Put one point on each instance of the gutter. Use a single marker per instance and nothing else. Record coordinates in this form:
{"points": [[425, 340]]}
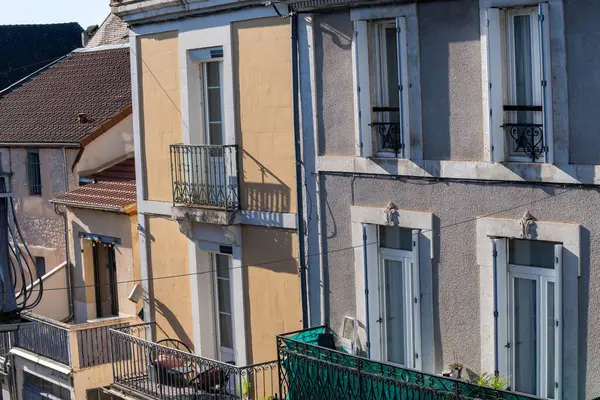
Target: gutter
{"points": [[41, 145], [68, 271], [298, 158]]}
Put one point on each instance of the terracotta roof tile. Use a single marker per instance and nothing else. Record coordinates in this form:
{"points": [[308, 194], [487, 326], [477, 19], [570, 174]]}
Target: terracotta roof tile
{"points": [[112, 195], [46, 108]]}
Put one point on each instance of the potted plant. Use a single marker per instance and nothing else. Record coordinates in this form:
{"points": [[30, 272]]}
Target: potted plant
{"points": [[455, 370], [493, 381]]}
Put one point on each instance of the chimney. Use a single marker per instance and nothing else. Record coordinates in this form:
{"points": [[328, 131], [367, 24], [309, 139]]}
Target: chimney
{"points": [[87, 34]]}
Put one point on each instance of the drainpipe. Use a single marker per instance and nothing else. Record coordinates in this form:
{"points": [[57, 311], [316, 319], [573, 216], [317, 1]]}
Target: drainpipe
{"points": [[68, 271], [495, 278], [366, 279], [298, 158]]}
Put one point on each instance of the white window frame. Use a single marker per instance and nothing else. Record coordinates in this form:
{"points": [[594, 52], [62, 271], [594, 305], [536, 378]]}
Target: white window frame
{"points": [[363, 72], [423, 227], [412, 303], [496, 78], [542, 276], [493, 234], [225, 354]]}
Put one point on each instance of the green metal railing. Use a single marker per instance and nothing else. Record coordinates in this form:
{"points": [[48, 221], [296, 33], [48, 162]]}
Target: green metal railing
{"points": [[309, 371]]}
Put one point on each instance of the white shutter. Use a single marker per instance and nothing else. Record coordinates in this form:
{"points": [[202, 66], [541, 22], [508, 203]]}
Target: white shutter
{"points": [[416, 300], [546, 72], [362, 96], [558, 269], [403, 86], [495, 89], [501, 305]]}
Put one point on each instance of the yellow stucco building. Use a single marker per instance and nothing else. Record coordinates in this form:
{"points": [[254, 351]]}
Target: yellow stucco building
{"points": [[216, 187]]}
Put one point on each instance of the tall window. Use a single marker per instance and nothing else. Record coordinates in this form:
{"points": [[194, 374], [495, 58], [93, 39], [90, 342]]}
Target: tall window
{"points": [[529, 298], [519, 84], [40, 266], [399, 313], [212, 90], [380, 62], [224, 317], [531, 272], [34, 176]]}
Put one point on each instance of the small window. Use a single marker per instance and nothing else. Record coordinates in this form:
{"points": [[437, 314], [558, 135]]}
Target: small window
{"points": [[41, 388], [34, 176], [397, 238], [40, 266], [535, 253]]}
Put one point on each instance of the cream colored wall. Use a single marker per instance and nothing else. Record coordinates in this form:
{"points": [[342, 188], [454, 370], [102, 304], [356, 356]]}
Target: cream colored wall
{"points": [[168, 255], [135, 248], [90, 378], [161, 115], [272, 289], [109, 148], [107, 224], [55, 302], [262, 71]]}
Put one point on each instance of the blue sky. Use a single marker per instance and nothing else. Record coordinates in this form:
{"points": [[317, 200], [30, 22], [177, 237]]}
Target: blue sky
{"points": [[86, 12]]}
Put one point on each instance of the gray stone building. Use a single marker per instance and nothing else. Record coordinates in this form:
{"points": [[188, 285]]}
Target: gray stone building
{"points": [[451, 167]]}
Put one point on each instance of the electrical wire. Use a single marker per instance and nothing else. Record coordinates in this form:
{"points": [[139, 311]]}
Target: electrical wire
{"points": [[136, 281]]}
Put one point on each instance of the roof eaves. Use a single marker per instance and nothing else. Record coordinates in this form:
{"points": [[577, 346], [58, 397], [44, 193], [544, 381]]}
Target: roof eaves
{"points": [[107, 125]]}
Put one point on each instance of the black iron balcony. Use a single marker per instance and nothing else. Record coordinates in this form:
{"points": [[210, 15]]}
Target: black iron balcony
{"points": [[205, 176], [387, 129], [167, 370], [526, 139], [310, 371]]}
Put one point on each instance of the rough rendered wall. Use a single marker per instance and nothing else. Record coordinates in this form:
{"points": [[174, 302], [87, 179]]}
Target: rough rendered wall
{"points": [[168, 256], [451, 80], [583, 61], [456, 277], [262, 73], [42, 228], [161, 110], [272, 288], [334, 86]]}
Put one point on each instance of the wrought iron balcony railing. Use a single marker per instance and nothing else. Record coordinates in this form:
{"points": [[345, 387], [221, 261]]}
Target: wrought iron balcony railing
{"points": [[206, 176], [389, 138], [78, 345], [526, 139], [160, 371], [310, 371]]}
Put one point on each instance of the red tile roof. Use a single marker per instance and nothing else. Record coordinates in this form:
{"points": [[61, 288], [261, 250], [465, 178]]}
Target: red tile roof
{"points": [[113, 190], [69, 100]]}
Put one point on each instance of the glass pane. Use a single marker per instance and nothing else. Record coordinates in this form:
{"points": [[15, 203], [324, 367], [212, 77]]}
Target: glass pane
{"points": [[214, 104], [391, 53], [224, 293], [395, 331], [226, 333], [533, 253], [212, 74], [525, 340], [551, 340], [222, 266], [523, 66], [216, 136], [393, 237]]}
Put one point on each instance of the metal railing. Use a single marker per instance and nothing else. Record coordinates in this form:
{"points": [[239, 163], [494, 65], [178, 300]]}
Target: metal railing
{"points": [[205, 175], [78, 345], [4, 344], [162, 372], [48, 338], [309, 371], [387, 129], [525, 138]]}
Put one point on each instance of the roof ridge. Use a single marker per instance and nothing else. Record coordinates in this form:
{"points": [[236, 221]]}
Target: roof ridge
{"points": [[50, 24]]}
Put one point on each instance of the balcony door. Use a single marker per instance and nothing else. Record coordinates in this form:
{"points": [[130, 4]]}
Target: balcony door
{"points": [[223, 307], [214, 157], [105, 280]]}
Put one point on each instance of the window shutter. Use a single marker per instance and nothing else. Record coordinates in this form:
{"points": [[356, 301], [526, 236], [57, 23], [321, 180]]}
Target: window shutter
{"points": [[495, 88], [546, 70], [416, 299], [362, 97], [403, 86], [558, 271], [502, 346]]}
